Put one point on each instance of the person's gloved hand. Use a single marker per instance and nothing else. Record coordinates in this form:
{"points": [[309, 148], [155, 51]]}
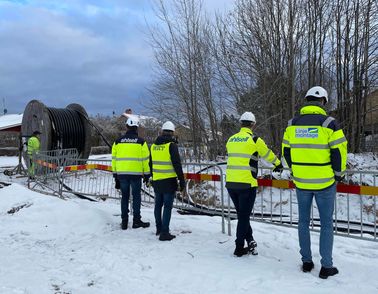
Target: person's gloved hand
{"points": [[278, 168], [146, 179], [339, 178], [117, 184], [182, 185], [148, 182]]}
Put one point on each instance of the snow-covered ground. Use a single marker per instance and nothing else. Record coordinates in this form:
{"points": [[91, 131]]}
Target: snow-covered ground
{"points": [[8, 161], [76, 246]]}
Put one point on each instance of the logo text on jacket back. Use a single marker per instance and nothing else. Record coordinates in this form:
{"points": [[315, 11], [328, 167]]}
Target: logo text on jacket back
{"points": [[306, 133], [238, 139], [129, 140], [158, 147]]}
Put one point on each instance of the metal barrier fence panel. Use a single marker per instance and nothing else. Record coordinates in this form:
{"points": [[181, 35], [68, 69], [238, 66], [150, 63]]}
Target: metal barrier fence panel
{"points": [[204, 193], [91, 177], [47, 169], [355, 205], [355, 212]]}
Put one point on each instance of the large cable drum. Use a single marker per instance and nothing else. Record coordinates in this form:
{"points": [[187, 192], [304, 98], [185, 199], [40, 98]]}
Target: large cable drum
{"points": [[61, 128]]}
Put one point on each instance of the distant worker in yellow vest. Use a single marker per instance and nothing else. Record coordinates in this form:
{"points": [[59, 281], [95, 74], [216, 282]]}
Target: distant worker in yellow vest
{"points": [[315, 149], [34, 145], [244, 150], [130, 157], [166, 171]]}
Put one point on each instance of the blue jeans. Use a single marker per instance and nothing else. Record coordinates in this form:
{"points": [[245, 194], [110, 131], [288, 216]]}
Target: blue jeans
{"points": [[325, 200], [166, 200], [136, 186], [243, 200]]}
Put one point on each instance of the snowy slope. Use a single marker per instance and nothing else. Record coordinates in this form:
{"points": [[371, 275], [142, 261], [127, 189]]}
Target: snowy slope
{"points": [[76, 246]]}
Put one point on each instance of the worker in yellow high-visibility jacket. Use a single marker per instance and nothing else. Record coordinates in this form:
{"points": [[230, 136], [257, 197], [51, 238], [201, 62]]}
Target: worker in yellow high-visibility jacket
{"points": [[315, 149], [244, 150], [167, 178], [34, 145], [130, 164]]}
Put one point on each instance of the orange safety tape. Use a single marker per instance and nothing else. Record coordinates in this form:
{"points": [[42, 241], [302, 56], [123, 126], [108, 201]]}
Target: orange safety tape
{"points": [[344, 188], [369, 190], [202, 177], [282, 184], [83, 167], [46, 164], [88, 167], [104, 167], [92, 166], [341, 188]]}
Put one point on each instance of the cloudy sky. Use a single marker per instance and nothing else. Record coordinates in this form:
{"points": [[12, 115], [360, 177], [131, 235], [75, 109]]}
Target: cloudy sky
{"points": [[94, 53]]}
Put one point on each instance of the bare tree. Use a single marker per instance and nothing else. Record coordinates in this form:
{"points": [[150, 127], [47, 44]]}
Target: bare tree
{"points": [[258, 56], [356, 48], [262, 57], [183, 90]]}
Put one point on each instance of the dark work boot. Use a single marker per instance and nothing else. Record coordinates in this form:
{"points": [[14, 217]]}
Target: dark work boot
{"points": [[158, 231], [240, 250], [326, 272], [166, 236], [138, 223], [307, 266], [125, 223]]}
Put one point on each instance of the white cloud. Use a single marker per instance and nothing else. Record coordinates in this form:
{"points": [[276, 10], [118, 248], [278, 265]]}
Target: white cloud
{"points": [[90, 52], [49, 55]]}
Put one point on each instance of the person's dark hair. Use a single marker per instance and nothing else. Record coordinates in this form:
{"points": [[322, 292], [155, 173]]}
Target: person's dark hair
{"points": [[246, 124], [315, 99], [167, 133], [132, 128]]}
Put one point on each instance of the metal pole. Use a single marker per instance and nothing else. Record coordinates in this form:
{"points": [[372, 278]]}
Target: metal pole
{"points": [[222, 200], [375, 213], [361, 204]]}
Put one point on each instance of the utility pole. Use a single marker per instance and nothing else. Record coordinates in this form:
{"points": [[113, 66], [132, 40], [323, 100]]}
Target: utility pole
{"points": [[4, 109]]}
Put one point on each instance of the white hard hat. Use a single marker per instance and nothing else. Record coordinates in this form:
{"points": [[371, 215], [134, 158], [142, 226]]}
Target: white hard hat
{"points": [[168, 126], [132, 122], [317, 92], [248, 116]]}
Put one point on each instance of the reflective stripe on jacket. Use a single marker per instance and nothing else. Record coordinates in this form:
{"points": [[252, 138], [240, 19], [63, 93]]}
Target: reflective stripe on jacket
{"points": [[243, 151], [33, 145], [162, 167], [130, 156], [315, 148]]}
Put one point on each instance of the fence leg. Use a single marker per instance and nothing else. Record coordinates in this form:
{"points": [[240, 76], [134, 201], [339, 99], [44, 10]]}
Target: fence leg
{"points": [[229, 217], [60, 185]]}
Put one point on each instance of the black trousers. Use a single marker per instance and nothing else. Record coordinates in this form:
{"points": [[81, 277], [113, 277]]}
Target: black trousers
{"points": [[243, 200]]}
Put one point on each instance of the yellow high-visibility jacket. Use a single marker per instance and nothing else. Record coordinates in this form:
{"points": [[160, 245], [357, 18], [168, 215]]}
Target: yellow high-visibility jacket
{"points": [[315, 149], [33, 145], [244, 150], [161, 162], [130, 156]]}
